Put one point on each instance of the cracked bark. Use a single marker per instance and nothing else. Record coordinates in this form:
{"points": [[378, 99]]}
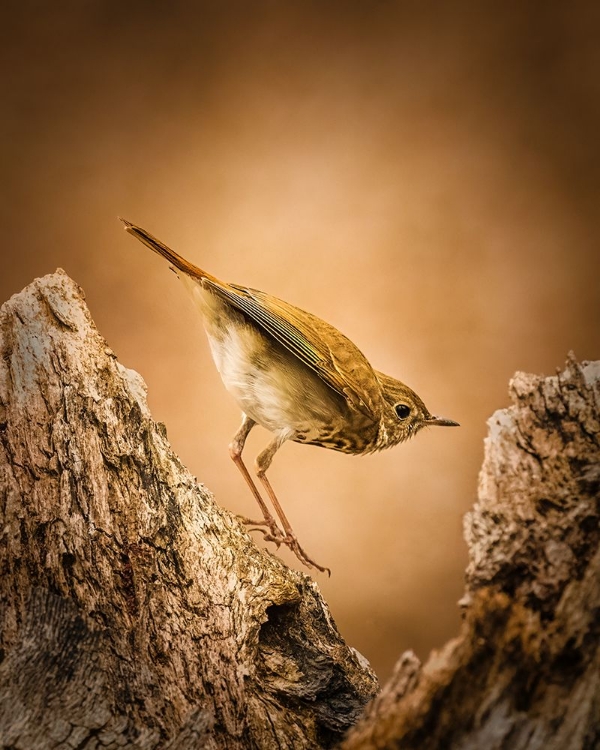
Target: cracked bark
{"points": [[133, 610], [524, 673]]}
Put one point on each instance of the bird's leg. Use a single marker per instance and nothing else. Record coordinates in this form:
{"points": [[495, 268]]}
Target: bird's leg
{"points": [[235, 451], [290, 539]]}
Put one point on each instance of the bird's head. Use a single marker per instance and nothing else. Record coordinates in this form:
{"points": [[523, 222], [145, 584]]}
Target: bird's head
{"points": [[404, 413]]}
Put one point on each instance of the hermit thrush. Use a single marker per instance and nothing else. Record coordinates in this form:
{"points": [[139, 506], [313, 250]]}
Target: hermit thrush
{"points": [[298, 377]]}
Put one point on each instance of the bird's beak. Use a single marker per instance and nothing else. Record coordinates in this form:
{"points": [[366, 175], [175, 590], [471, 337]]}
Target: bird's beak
{"points": [[441, 422]]}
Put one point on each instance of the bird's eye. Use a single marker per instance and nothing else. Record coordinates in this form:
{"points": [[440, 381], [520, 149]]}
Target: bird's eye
{"points": [[402, 411]]}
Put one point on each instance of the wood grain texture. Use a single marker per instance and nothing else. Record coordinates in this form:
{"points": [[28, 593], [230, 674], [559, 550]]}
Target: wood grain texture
{"points": [[134, 611], [524, 673]]}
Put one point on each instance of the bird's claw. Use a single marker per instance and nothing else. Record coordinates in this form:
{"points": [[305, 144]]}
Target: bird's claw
{"points": [[292, 544], [266, 527], [272, 533]]}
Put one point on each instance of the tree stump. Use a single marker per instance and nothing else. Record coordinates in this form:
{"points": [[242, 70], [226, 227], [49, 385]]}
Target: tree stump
{"points": [[134, 612], [524, 674]]}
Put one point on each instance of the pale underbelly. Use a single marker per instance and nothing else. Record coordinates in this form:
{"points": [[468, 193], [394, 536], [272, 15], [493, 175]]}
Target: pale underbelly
{"points": [[271, 386]]}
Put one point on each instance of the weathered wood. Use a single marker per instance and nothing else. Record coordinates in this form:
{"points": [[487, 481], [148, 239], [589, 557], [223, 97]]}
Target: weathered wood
{"points": [[524, 673], [133, 610]]}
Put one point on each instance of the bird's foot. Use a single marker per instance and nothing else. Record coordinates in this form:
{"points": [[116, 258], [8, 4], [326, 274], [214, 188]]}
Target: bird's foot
{"points": [[293, 544], [267, 527], [272, 533]]}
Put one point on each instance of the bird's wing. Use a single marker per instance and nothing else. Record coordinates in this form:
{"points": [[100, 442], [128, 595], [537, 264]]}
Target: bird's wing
{"points": [[318, 345]]}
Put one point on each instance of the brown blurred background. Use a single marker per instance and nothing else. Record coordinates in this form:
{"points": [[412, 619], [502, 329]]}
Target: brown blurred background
{"points": [[424, 176]]}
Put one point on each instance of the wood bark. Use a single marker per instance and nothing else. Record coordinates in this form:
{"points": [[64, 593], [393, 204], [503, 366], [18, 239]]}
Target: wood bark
{"points": [[524, 673], [134, 611]]}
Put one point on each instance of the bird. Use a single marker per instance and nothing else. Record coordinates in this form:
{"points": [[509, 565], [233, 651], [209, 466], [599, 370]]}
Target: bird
{"points": [[297, 376]]}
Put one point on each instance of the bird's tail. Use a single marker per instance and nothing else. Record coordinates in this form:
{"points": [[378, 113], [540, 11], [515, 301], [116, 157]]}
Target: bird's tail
{"points": [[180, 263]]}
